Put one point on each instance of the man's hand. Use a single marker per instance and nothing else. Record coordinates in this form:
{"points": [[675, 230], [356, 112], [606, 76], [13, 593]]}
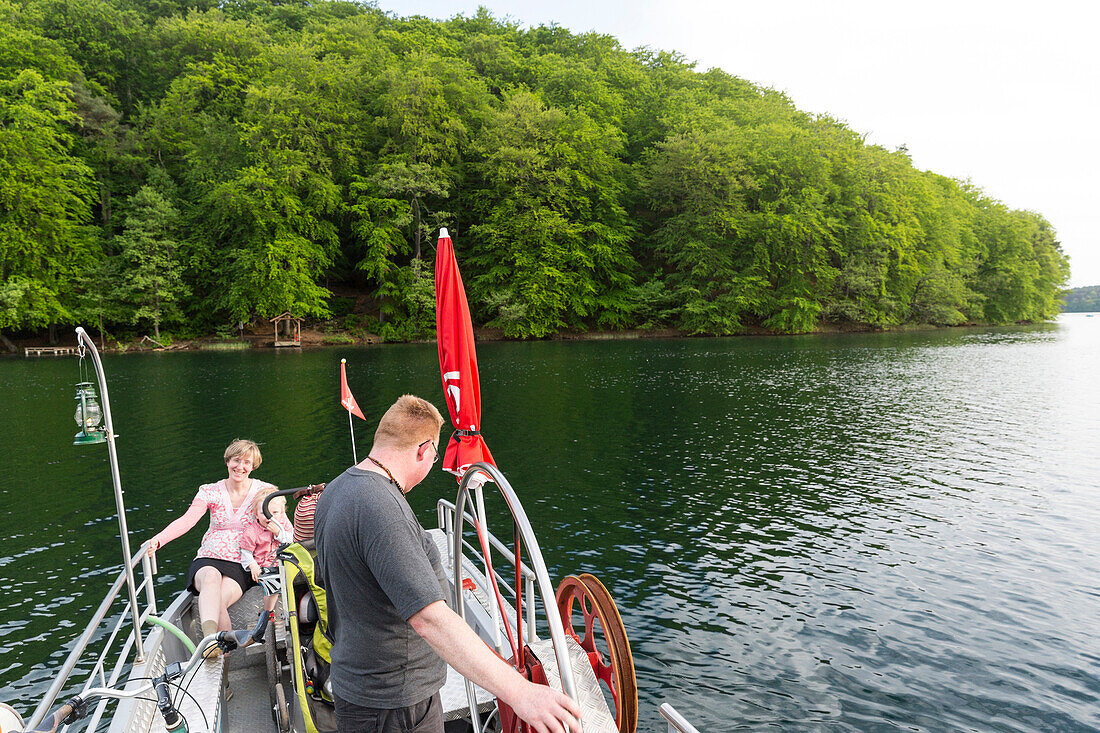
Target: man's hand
{"points": [[548, 711], [254, 568], [545, 709]]}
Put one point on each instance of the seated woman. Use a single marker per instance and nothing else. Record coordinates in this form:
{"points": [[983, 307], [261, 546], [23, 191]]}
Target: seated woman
{"points": [[216, 574]]}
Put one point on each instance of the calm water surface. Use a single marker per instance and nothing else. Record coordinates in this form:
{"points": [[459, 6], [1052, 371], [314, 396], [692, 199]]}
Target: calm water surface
{"points": [[866, 532]]}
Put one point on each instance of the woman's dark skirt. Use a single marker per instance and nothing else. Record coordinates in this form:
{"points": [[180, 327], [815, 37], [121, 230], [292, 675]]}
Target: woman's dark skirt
{"points": [[227, 568]]}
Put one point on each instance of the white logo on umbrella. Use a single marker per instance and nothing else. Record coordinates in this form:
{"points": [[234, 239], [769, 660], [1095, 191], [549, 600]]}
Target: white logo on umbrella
{"points": [[453, 389]]}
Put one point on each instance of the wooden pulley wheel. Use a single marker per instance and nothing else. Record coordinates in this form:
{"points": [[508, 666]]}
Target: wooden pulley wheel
{"points": [[603, 636]]}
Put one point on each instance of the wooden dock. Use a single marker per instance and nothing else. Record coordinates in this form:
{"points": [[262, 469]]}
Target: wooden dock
{"points": [[49, 350]]}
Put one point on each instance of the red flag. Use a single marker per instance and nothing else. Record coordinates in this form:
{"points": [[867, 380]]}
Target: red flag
{"points": [[346, 397]]}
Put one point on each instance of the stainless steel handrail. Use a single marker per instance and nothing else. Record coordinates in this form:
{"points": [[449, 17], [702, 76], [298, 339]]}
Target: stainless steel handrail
{"points": [[85, 343], [546, 590], [84, 641], [445, 511], [676, 723], [444, 504]]}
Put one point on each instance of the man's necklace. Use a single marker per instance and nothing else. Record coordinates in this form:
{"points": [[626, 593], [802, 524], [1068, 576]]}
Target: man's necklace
{"points": [[379, 464]]}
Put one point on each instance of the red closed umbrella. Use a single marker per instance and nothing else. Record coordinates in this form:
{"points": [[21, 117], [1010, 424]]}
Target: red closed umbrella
{"points": [[457, 363]]}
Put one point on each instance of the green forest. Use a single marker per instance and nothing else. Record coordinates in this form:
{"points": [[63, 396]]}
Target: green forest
{"points": [[183, 166], [1083, 300]]}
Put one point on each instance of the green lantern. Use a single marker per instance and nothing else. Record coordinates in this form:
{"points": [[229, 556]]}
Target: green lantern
{"points": [[88, 416]]}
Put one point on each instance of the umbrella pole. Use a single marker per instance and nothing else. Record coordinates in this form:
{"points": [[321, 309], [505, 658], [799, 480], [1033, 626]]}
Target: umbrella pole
{"points": [[351, 427]]}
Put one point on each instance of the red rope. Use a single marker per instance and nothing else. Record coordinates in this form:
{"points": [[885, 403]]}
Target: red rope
{"points": [[496, 592]]}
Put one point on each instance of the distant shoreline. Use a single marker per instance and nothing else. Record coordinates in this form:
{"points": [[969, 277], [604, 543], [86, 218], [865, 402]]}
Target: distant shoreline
{"points": [[314, 339]]}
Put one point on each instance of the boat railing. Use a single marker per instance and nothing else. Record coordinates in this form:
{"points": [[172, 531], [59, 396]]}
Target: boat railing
{"points": [[676, 723], [105, 672], [475, 560]]}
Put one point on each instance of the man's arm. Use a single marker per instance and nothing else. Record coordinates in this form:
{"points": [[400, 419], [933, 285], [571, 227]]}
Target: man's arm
{"points": [[546, 709]]}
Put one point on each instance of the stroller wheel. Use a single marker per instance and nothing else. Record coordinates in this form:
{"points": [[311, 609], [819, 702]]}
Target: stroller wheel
{"points": [[274, 669], [282, 710]]}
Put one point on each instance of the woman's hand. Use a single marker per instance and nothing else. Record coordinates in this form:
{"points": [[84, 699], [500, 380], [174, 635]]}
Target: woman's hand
{"points": [[254, 568], [151, 547]]}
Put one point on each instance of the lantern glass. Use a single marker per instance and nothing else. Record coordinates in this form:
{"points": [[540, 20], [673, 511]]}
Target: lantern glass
{"points": [[88, 415]]}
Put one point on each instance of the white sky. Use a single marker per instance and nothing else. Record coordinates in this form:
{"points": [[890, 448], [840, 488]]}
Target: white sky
{"points": [[1005, 93]]}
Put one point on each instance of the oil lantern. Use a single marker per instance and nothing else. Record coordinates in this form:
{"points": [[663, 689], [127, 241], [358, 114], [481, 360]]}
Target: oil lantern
{"points": [[88, 416]]}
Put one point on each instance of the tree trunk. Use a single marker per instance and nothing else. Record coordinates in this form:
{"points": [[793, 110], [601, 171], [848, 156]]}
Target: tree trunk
{"points": [[105, 201], [53, 334], [7, 343], [416, 206]]}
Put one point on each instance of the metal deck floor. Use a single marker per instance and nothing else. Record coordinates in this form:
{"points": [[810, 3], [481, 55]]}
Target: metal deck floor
{"points": [[248, 711]]}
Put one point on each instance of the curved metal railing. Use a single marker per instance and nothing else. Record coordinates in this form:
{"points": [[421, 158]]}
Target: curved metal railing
{"points": [[523, 533]]}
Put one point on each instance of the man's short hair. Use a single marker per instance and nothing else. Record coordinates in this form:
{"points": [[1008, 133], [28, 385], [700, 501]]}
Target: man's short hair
{"points": [[408, 423]]}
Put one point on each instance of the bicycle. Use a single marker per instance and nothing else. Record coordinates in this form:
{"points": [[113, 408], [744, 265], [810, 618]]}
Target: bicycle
{"points": [[76, 708]]}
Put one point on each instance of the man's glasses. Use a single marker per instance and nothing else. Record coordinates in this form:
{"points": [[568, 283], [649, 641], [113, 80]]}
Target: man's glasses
{"points": [[435, 449]]}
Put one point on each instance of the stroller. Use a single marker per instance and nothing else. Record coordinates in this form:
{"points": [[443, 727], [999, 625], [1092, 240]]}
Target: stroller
{"points": [[308, 642], [301, 701]]}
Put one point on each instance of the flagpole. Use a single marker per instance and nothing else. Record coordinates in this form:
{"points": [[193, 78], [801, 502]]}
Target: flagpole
{"points": [[351, 425]]}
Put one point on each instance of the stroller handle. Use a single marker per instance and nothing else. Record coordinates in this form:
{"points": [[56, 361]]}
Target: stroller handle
{"points": [[296, 493]]}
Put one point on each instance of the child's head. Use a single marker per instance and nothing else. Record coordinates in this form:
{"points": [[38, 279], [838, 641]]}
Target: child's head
{"points": [[276, 506]]}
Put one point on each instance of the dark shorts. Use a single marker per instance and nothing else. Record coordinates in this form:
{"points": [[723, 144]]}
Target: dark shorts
{"points": [[423, 717], [227, 568]]}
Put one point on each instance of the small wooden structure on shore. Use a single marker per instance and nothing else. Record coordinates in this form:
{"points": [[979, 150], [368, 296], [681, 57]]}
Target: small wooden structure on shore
{"points": [[291, 329], [49, 350]]}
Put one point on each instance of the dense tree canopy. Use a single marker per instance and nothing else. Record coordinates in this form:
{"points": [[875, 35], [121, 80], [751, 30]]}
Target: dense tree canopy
{"points": [[189, 164]]}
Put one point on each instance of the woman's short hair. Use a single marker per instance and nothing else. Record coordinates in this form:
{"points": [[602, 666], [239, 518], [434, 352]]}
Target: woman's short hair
{"points": [[409, 421], [240, 447]]}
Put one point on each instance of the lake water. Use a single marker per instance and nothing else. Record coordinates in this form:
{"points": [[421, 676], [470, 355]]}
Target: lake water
{"points": [[860, 532]]}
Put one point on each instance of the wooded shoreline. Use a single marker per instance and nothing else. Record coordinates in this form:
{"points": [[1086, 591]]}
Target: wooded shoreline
{"points": [[313, 339], [177, 167]]}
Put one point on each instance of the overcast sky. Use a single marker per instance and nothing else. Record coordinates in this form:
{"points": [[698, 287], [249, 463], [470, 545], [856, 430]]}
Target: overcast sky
{"points": [[1006, 94]]}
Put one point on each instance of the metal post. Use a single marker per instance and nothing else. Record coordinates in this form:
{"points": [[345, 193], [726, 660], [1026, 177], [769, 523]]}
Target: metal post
{"points": [[127, 562], [676, 723], [148, 569]]}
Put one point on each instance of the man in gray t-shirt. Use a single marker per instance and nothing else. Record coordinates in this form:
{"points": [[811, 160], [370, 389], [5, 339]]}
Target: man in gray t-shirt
{"points": [[371, 547], [387, 596]]}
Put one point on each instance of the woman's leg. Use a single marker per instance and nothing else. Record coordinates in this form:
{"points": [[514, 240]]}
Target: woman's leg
{"points": [[208, 581], [230, 594]]}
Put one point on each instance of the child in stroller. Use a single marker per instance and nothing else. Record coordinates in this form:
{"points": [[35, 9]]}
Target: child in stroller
{"points": [[260, 542]]}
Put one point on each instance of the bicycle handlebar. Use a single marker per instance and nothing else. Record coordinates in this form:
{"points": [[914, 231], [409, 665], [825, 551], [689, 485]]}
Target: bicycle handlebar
{"points": [[77, 707], [64, 715]]}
